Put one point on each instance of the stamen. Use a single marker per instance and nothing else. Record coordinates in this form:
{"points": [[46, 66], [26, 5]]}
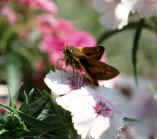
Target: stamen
{"points": [[77, 81], [103, 109]]}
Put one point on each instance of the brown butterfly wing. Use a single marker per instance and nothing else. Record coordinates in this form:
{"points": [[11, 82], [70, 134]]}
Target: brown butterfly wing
{"points": [[92, 52], [97, 70]]}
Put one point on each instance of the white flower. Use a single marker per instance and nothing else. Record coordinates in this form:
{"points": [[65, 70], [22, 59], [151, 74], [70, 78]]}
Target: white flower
{"points": [[96, 112], [141, 105], [62, 83], [108, 83], [146, 8], [3, 90], [115, 12]]}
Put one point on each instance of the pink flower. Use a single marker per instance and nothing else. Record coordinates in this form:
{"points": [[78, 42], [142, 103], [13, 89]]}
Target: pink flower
{"points": [[54, 47], [45, 24], [46, 5], [9, 14], [49, 25], [80, 38], [5, 102], [39, 65], [56, 35]]}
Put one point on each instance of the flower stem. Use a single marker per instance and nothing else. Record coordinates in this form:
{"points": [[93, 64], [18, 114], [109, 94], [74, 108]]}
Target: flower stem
{"points": [[137, 37], [132, 25]]}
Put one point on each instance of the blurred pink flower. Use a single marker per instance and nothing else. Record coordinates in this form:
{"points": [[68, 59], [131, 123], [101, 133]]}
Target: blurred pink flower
{"points": [[45, 24], [56, 34], [39, 66], [46, 5], [9, 14], [54, 45], [50, 25], [80, 38], [5, 102]]}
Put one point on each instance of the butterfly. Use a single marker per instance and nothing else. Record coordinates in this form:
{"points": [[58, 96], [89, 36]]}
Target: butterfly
{"points": [[87, 59]]}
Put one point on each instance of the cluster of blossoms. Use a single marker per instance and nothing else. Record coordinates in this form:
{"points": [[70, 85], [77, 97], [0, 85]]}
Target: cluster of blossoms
{"points": [[8, 9], [116, 12], [54, 32], [99, 112], [45, 5], [57, 33], [96, 112]]}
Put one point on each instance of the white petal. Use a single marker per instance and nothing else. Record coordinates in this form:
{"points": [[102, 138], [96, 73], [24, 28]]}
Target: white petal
{"points": [[116, 16], [100, 126], [86, 121], [76, 100], [58, 82], [146, 8], [79, 103], [116, 124], [114, 12], [109, 94]]}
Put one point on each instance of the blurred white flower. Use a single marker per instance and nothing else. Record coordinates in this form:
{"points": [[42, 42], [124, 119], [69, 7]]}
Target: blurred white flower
{"points": [[146, 8], [3, 90], [108, 83], [61, 82], [115, 12], [141, 105], [96, 112]]}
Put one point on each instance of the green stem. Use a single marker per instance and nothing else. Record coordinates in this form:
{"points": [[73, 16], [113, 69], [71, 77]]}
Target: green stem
{"points": [[132, 25], [136, 46]]}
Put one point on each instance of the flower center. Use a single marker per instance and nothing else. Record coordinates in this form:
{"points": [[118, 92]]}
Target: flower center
{"points": [[77, 81], [101, 108]]}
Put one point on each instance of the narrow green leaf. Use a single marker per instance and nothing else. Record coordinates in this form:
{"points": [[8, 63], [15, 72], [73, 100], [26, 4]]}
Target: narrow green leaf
{"points": [[26, 98], [30, 94], [7, 107], [13, 76], [129, 119], [107, 34]]}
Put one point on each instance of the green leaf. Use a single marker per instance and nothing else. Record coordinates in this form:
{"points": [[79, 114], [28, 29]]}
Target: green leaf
{"points": [[13, 76], [129, 119], [7, 107], [154, 92]]}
